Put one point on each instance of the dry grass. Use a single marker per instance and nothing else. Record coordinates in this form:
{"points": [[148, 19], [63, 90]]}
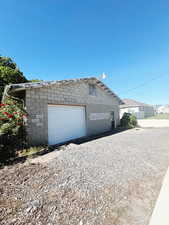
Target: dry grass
{"points": [[164, 116], [31, 151]]}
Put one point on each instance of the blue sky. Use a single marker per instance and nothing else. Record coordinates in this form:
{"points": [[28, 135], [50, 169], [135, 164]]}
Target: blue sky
{"points": [[63, 39]]}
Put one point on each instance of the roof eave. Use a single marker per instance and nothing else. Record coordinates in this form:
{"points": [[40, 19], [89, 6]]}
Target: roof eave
{"points": [[20, 87]]}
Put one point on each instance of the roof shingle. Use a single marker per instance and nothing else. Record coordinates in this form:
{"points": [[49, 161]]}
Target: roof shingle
{"points": [[132, 103], [23, 86]]}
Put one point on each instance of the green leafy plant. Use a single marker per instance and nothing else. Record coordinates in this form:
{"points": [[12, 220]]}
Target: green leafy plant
{"points": [[12, 129], [128, 120], [12, 116], [9, 74]]}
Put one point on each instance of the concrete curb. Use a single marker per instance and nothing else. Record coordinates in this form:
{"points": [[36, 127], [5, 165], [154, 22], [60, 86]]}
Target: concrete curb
{"points": [[160, 214]]}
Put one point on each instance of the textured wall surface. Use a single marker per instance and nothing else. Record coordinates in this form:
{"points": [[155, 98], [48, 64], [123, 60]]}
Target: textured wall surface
{"points": [[148, 111], [140, 112], [37, 100]]}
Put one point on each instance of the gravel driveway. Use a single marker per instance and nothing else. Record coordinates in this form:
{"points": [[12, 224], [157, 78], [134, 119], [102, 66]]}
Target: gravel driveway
{"points": [[113, 180]]}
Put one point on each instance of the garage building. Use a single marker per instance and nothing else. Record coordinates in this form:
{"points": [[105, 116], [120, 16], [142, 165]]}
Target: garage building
{"points": [[59, 111]]}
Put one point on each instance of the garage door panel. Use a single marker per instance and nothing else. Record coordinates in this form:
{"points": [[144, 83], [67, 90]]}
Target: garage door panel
{"points": [[65, 123]]}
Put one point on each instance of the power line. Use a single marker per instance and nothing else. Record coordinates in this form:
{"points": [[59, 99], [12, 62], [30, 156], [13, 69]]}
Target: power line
{"points": [[147, 82]]}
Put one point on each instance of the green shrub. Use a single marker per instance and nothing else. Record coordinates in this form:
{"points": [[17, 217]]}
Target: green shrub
{"points": [[12, 129], [12, 116], [11, 144], [128, 120]]}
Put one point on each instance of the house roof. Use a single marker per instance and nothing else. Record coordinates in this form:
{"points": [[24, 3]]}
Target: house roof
{"points": [[12, 88], [132, 103]]}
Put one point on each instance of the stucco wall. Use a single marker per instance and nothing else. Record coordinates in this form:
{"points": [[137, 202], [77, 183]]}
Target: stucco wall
{"points": [[148, 111], [37, 101], [163, 109], [140, 112], [133, 110]]}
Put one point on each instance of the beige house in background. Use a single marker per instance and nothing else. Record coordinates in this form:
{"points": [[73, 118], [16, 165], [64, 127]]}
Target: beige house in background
{"points": [[139, 109], [163, 109], [60, 111]]}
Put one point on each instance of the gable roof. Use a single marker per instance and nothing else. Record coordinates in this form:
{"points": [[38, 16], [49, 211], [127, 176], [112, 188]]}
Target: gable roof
{"points": [[12, 88], [132, 103]]}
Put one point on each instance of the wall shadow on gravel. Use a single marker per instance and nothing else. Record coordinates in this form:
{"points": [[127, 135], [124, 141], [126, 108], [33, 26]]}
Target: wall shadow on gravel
{"points": [[58, 147], [95, 137]]}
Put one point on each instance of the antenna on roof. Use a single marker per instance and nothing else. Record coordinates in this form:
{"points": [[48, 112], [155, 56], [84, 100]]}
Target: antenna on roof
{"points": [[103, 76]]}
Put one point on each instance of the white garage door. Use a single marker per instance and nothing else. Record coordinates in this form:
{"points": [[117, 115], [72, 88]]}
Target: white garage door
{"points": [[65, 123]]}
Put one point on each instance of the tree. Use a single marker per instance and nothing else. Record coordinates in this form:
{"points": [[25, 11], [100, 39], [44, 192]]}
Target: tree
{"points": [[9, 74], [12, 128], [6, 61], [12, 113]]}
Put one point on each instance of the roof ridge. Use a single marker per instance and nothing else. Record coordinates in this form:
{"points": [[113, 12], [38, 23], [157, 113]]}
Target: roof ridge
{"points": [[54, 81], [132, 102], [23, 86]]}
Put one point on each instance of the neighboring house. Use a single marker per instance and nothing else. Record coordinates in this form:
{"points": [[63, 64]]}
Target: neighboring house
{"points": [[163, 109], [60, 111], [139, 109]]}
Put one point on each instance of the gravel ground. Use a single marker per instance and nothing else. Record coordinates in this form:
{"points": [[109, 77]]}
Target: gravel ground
{"points": [[113, 180]]}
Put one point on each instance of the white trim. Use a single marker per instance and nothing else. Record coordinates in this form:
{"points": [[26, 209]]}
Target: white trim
{"points": [[160, 214]]}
